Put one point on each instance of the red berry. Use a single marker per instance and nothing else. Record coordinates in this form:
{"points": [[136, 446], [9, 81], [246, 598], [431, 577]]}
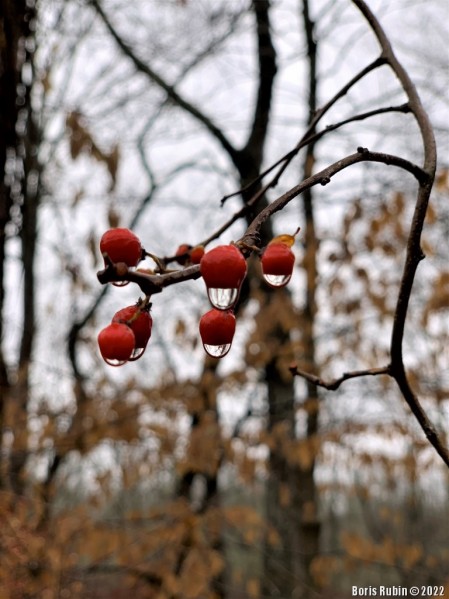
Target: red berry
{"points": [[223, 267], [182, 254], [140, 322], [223, 270], [121, 245], [277, 264], [196, 254], [217, 329], [116, 343]]}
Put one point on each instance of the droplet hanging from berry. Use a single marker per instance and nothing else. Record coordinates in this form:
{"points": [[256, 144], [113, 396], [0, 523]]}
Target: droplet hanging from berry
{"points": [[277, 264], [116, 343], [138, 318], [223, 269], [217, 329], [223, 299]]}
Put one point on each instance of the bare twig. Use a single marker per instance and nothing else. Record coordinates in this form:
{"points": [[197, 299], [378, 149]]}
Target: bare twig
{"points": [[309, 135], [152, 284], [170, 90], [323, 177], [414, 253], [307, 138], [334, 384]]}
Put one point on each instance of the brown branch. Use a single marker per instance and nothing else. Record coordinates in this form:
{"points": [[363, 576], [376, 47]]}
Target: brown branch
{"points": [[323, 177], [324, 109], [152, 284], [105, 568], [149, 284], [170, 90], [308, 136], [334, 384], [404, 108], [306, 140], [414, 253]]}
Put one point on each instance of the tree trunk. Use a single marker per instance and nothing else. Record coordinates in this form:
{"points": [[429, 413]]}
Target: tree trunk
{"points": [[11, 18], [18, 158], [309, 525], [280, 555], [210, 496]]}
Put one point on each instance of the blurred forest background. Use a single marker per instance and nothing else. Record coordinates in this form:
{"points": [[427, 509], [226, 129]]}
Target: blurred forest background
{"points": [[178, 476]]}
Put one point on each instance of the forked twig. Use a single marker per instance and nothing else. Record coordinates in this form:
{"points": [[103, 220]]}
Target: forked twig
{"points": [[333, 384]]}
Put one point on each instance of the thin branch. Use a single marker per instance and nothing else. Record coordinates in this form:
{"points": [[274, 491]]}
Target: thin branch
{"points": [[309, 136], [170, 90], [153, 284], [334, 384], [323, 177], [324, 109], [414, 253], [149, 284], [305, 140], [404, 108]]}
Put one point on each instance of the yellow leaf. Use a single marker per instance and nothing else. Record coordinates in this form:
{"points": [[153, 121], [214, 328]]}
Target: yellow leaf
{"points": [[322, 568], [216, 563], [285, 238]]}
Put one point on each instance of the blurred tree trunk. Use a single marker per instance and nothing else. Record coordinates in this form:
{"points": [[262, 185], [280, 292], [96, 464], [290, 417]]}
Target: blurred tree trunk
{"points": [[11, 14], [19, 187], [292, 494], [308, 494]]}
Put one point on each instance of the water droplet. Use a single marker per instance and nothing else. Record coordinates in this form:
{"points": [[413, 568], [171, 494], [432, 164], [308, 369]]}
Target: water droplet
{"points": [[137, 353], [223, 299], [115, 362], [277, 280], [120, 283], [217, 351]]}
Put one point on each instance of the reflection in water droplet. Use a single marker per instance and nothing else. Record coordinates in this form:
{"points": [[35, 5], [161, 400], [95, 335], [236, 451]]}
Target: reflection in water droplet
{"points": [[120, 283], [137, 353], [115, 362], [217, 351], [223, 299], [277, 280]]}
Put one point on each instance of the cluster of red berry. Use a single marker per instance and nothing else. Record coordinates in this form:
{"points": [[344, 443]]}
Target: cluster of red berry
{"points": [[223, 269], [126, 338]]}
